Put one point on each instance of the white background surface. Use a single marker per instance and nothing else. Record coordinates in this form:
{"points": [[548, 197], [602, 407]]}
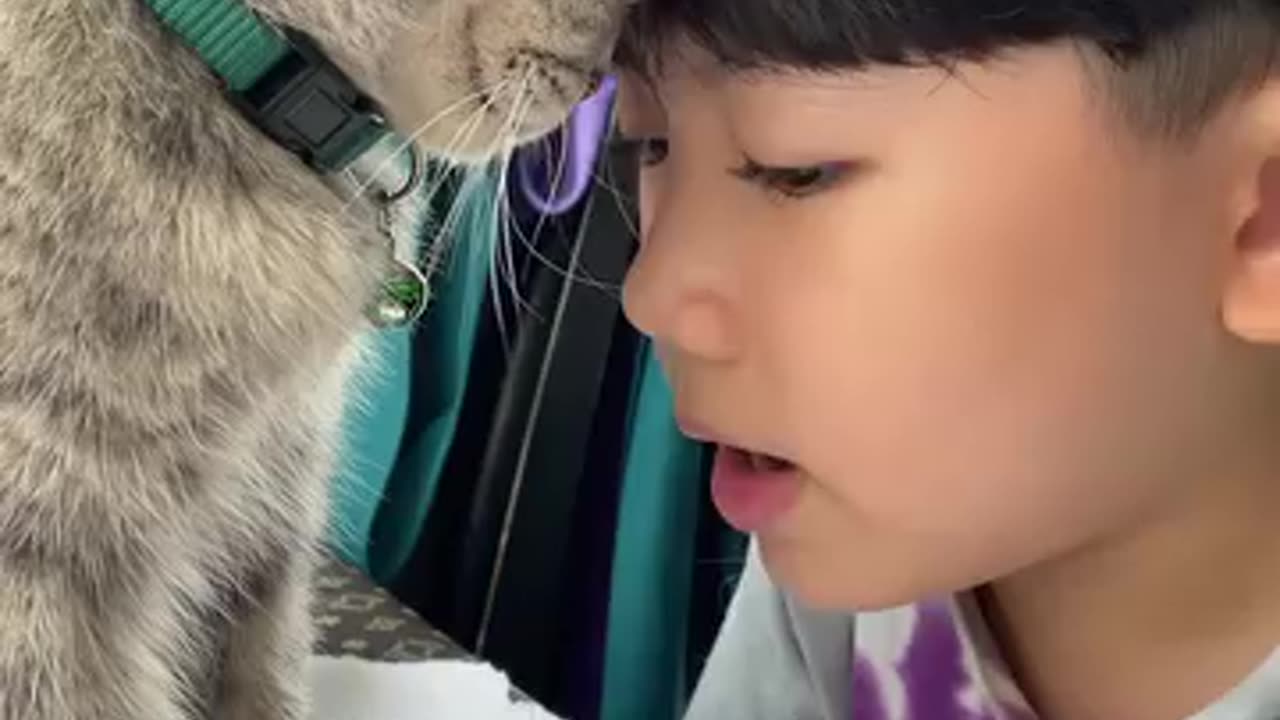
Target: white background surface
{"points": [[352, 689]]}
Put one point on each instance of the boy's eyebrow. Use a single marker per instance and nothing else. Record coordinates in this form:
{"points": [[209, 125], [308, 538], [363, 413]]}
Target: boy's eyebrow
{"points": [[833, 79], [827, 93], [839, 88]]}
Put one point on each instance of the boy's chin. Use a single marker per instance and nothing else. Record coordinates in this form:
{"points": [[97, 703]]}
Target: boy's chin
{"points": [[826, 583]]}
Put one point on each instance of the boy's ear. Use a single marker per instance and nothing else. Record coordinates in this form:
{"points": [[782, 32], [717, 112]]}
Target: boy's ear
{"points": [[1251, 304]]}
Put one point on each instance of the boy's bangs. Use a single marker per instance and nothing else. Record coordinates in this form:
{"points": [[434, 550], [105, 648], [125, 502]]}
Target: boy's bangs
{"points": [[841, 34]]}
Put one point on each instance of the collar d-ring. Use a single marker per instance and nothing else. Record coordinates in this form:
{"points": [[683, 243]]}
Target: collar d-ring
{"points": [[411, 183]]}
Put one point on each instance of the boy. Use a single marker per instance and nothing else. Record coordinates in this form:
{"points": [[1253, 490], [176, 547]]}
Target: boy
{"points": [[980, 301]]}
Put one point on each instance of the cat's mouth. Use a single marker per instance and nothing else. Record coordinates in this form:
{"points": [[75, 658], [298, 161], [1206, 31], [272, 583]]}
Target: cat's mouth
{"points": [[499, 121], [541, 101], [502, 73]]}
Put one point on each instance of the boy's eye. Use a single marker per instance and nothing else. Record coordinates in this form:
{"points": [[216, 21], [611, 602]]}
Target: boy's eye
{"points": [[792, 182], [800, 181], [652, 151], [646, 151]]}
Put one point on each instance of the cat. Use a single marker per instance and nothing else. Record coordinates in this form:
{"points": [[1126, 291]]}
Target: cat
{"points": [[181, 317]]}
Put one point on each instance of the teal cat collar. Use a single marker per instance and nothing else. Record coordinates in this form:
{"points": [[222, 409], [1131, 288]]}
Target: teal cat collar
{"points": [[280, 80]]}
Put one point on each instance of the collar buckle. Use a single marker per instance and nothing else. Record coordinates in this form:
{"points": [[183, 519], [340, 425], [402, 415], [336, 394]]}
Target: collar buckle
{"points": [[309, 106]]}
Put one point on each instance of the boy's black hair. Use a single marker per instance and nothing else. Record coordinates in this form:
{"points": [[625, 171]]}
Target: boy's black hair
{"points": [[1169, 63]]}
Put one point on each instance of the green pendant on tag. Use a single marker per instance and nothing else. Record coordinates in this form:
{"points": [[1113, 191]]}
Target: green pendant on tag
{"points": [[402, 298]]}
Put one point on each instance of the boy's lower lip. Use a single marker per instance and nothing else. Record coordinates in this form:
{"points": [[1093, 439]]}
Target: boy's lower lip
{"points": [[748, 498]]}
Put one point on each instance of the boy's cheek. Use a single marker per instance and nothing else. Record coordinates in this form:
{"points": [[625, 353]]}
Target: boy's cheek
{"points": [[934, 468], [843, 549]]}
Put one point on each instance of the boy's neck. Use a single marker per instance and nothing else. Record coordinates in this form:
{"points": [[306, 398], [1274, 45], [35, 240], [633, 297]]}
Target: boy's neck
{"points": [[1155, 625]]}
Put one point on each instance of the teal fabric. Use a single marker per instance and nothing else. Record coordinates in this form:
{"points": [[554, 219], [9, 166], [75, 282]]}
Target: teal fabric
{"points": [[388, 477], [645, 648], [373, 429], [438, 377]]}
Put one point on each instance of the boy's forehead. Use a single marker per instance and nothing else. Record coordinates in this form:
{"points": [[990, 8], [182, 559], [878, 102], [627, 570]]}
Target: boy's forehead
{"points": [[686, 71], [882, 112], [684, 67]]}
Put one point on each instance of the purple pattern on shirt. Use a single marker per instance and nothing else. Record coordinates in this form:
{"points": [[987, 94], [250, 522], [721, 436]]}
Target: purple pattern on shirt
{"points": [[933, 674], [867, 702]]}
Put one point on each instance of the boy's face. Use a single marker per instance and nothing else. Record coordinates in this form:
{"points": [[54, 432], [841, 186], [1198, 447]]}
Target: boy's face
{"points": [[996, 341]]}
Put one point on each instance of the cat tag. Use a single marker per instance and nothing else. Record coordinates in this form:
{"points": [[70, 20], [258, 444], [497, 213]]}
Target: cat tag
{"points": [[402, 298]]}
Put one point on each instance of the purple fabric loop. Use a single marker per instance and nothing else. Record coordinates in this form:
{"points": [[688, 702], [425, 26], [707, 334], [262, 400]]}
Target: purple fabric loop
{"points": [[579, 145]]}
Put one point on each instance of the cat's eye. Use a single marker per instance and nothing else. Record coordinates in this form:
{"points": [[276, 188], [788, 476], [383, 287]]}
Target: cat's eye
{"points": [[793, 182]]}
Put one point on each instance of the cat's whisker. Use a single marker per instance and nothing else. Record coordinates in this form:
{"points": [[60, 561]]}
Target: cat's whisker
{"points": [[466, 133], [467, 127], [579, 275], [445, 232], [497, 220], [622, 201], [546, 147], [519, 112], [407, 141], [502, 270], [470, 176], [486, 94], [504, 251], [499, 217], [462, 136]]}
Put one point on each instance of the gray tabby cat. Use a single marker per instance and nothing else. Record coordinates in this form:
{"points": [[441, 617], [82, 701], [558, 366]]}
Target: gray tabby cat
{"points": [[180, 312]]}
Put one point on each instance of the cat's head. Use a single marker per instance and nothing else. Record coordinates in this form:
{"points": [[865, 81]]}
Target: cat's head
{"points": [[467, 78]]}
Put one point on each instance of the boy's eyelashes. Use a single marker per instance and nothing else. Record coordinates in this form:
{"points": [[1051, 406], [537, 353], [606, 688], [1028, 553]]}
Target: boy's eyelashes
{"points": [[792, 182]]}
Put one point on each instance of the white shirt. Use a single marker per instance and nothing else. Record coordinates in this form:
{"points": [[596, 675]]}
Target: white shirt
{"points": [[775, 660]]}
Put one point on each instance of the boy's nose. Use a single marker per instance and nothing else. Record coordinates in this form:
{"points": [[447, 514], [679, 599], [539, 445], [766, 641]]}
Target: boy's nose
{"points": [[668, 297]]}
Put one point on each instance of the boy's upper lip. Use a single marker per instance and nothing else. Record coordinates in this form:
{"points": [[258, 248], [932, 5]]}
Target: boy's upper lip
{"points": [[695, 429]]}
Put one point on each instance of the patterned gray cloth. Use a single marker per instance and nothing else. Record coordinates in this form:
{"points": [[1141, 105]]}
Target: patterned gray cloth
{"points": [[357, 618]]}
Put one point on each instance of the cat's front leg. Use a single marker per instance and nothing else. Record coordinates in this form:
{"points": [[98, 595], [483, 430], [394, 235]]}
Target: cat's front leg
{"points": [[264, 671], [70, 651]]}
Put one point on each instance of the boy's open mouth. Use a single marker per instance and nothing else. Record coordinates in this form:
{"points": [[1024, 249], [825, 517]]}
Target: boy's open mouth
{"points": [[763, 463], [753, 489]]}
